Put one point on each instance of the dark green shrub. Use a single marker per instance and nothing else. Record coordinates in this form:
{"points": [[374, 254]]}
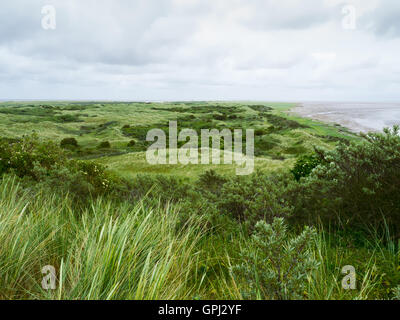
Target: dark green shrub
{"points": [[44, 164], [131, 143], [280, 123], [82, 180], [106, 125], [304, 165], [67, 118], [259, 196], [260, 108], [220, 117], [211, 181], [104, 145], [356, 184], [95, 174], [266, 143], [21, 156], [276, 265], [68, 142], [260, 132], [165, 188]]}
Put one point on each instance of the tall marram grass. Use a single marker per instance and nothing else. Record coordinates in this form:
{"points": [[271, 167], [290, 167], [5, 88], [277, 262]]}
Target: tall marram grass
{"points": [[108, 251], [112, 250]]}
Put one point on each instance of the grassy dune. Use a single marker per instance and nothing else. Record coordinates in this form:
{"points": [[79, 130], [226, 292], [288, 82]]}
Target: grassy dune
{"points": [[92, 123]]}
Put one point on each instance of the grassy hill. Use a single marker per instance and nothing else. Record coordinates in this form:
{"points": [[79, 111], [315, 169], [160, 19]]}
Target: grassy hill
{"points": [[280, 138]]}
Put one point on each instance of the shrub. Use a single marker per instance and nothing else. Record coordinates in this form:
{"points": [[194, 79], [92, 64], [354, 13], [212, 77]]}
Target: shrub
{"points": [[82, 180], [104, 145], [67, 118], [44, 164], [304, 165], [68, 142], [95, 174], [21, 156], [280, 123], [164, 188], [276, 265], [355, 184], [260, 132], [220, 117], [211, 181], [131, 143], [257, 197], [260, 108]]}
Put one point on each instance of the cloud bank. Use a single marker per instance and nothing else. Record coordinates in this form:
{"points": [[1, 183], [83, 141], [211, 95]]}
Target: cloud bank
{"points": [[288, 50]]}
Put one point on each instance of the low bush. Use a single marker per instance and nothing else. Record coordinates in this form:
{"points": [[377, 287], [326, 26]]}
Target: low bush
{"points": [[67, 118], [163, 188], [211, 181], [355, 184], [276, 265], [280, 123], [21, 156], [43, 164], [68, 142], [304, 165], [259, 196], [104, 145]]}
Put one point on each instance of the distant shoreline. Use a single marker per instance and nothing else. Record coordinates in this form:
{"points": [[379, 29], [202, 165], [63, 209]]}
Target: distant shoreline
{"points": [[357, 117]]}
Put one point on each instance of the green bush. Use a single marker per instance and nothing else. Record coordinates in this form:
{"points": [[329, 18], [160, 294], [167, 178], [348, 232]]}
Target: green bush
{"points": [[67, 118], [276, 265], [68, 142], [104, 145], [21, 156], [83, 180], [304, 165], [280, 123], [260, 132], [44, 164], [259, 196], [131, 143], [355, 184], [211, 181], [162, 188]]}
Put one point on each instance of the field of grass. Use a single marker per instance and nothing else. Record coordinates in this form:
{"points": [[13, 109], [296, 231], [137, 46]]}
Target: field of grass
{"points": [[278, 142]]}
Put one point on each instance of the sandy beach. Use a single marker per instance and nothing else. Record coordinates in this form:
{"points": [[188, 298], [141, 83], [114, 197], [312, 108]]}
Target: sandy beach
{"points": [[358, 117]]}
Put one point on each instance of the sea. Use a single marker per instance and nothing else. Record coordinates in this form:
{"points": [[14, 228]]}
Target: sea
{"points": [[358, 117]]}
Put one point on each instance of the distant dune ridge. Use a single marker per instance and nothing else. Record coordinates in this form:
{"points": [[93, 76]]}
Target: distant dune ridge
{"points": [[358, 117]]}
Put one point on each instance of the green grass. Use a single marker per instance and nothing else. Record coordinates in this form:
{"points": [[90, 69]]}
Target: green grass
{"points": [[105, 121], [94, 122], [123, 251], [128, 165], [107, 251]]}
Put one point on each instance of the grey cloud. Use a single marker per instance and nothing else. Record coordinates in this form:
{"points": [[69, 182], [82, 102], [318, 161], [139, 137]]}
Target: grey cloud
{"points": [[289, 14], [196, 49], [384, 20]]}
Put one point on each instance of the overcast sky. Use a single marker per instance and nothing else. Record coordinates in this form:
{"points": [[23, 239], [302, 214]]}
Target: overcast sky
{"points": [[272, 50]]}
